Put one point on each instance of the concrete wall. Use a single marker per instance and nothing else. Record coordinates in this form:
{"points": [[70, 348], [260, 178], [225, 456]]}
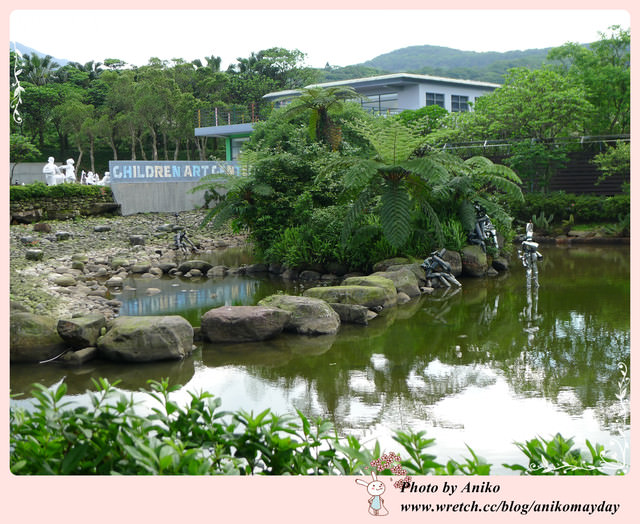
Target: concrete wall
{"points": [[152, 197], [28, 172]]}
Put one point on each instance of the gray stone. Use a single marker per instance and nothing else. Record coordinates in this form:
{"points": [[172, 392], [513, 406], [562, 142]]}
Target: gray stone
{"points": [[114, 282], [309, 275], [384, 283], [309, 316], [34, 254], [351, 313], [257, 268], [217, 271], [189, 265], [62, 235], [64, 281], [474, 261], [79, 357], [28, 240], [82, 331], [145, 339], [367, 296], [404, 279], [243, 323], [290, 274], [33, 338], [137, 240], [102, 228], [500, 264], [383, 265], [140, 268]]}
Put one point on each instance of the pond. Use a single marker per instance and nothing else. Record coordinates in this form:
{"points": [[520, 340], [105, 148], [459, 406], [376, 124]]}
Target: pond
{"points": [[488, 366]]}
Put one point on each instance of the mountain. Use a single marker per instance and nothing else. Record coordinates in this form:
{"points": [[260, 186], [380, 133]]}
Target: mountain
{"points": [[26, 50], [487, 66]]}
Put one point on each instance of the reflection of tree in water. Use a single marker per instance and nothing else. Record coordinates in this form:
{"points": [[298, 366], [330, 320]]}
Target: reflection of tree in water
{"points": [[572, 360]]}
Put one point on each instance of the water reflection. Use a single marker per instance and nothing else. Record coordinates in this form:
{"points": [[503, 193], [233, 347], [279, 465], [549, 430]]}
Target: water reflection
{"points": [[493, 363]]}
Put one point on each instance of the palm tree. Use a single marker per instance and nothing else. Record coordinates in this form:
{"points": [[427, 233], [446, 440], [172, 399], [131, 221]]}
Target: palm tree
{"points": [[39, 70], [320, 101], [406, 182]]}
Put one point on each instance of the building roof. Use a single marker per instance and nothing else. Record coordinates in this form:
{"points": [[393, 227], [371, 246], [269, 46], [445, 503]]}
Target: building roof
{"points": [[394, 79]]}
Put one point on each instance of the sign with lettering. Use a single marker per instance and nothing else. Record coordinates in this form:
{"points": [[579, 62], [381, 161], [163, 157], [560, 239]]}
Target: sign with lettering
{"points": [[167, 170]]}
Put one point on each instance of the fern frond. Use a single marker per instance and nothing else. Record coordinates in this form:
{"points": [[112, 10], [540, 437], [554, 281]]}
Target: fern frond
{"points": [[395, 214], [353, 215], [467, 215]]}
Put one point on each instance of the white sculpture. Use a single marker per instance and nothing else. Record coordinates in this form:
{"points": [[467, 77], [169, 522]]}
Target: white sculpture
{"points": [[69, 171], [106, 179], [52, 172], [90, 178]]}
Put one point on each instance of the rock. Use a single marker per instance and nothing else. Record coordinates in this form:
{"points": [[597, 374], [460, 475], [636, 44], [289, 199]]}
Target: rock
{"points": [[376, 281], [114, 282], [243, 323], [145, 339], [404, 280], [140, 268], [152, 291], [309, 316], [118, 262], [42, 227], [81, 332], [102, 228], [474, 261], [156, 271], [217, 271], [189, 265], [383, 265], [236, 270], [367, 296], [337, 268], [64, 281], [491, 272], [351, 313], [500, 264], [63, 235], [257, 268], [403, 298], [166, 266], [137, 240], [290, 274], [76, 358], [309, 275], [33, 338], [34, 254], [77, 264], [276, 269], [28, 240]]}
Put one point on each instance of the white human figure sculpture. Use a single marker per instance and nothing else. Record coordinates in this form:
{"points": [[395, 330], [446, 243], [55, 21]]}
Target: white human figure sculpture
{"points": [[83, 177], [52, 172], [90, 179], [106, 179], [69, 171]]}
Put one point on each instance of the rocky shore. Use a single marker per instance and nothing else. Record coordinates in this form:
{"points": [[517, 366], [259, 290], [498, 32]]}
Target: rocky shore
{"points": [[60, 268]]}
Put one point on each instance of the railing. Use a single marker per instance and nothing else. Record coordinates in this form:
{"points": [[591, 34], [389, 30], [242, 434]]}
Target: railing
{"points": [[505, 145], [219, 116]]}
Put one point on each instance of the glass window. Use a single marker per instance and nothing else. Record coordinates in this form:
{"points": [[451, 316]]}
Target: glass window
{"points": [[236, 146], [435, 99], [381, 103], [459, 103]]}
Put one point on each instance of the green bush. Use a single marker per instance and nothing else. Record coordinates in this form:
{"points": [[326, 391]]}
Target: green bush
{"points": [[115, 436], [584, 208], [41, 190]]}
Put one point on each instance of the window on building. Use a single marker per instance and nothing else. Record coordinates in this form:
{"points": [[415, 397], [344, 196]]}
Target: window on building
{"points": [[459, 104], [435, 99], [236, 146], [381, 103]]}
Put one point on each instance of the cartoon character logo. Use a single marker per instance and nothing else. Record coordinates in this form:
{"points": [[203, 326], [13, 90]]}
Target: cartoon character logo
{"points": [[375, 488]]}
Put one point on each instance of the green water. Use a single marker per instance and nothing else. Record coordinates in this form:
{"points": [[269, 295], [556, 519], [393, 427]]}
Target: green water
{"points": [[487, 366]]}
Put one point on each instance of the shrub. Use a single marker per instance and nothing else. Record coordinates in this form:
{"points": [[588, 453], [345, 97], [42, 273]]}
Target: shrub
{"points": [[41, 190], [114, 436]]}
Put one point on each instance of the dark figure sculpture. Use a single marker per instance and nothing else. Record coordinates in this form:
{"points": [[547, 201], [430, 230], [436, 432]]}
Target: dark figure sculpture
{"points": [[484, 230], [435, 267]]}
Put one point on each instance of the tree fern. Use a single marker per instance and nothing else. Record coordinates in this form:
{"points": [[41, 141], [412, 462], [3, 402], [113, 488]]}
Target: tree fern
{"points": [[395, 214]]}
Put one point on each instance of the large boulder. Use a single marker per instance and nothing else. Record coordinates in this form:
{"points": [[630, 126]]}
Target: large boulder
{"points": [[33, 338], [367, 296], [474, 261], [81, 332], [309, 316], [404, 279], [353, 314], [145, 339], [376, 281], [189, 265], [243, 323], [383, 265]]}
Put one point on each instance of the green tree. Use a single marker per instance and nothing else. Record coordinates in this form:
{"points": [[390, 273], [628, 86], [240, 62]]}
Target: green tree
{"points": [[21, 150], [319, 102], [603, 69], [405, 182]]}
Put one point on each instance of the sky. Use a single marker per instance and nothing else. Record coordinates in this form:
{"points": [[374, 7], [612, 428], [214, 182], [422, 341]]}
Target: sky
{"points": [[337, 37]]}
